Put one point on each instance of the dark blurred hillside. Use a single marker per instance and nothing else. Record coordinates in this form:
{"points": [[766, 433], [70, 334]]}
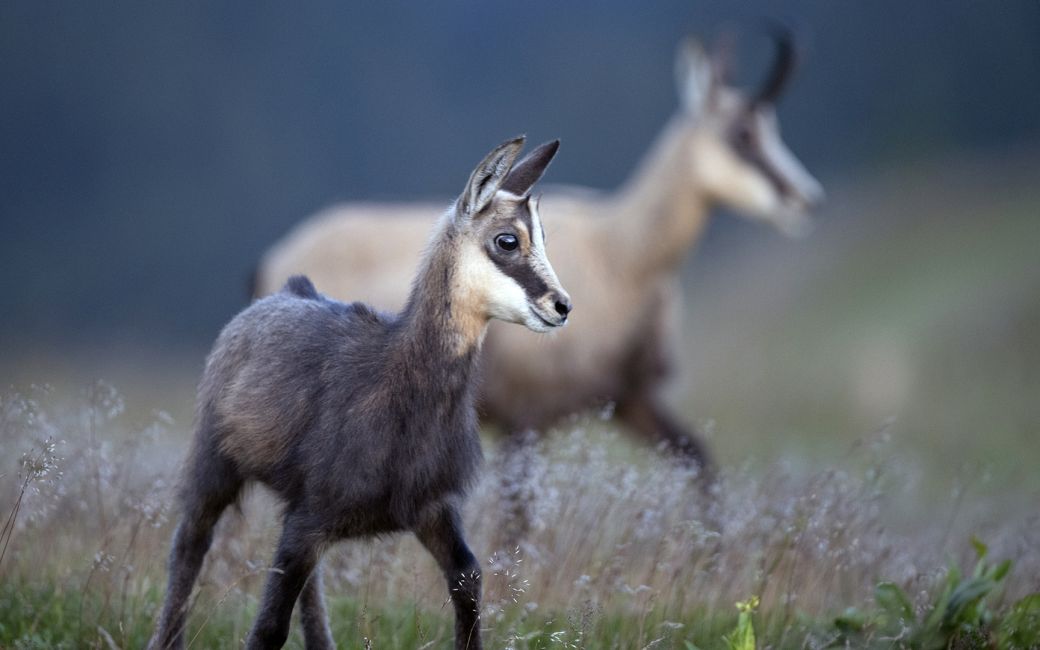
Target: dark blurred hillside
{"points": [[150, 152]]}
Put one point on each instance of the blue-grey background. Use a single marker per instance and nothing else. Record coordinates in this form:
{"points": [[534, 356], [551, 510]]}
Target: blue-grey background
{"points": [[150, 151]]}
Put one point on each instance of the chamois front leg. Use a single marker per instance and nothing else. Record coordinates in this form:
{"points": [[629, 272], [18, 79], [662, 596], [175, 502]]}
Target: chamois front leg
{"points": [[294, 562], [441, 534]]}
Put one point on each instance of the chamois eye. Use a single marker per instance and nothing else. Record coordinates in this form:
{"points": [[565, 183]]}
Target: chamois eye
{"points": [[507, 242]]}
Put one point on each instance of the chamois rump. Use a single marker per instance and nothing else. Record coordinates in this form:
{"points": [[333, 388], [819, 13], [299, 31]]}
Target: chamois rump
{"points": [[362, 422], [624, 251]]}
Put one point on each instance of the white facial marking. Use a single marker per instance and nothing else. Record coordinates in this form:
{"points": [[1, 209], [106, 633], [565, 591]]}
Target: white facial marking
{"points": [[784, 162], [539, 258], [480, 280], [539, 261]]}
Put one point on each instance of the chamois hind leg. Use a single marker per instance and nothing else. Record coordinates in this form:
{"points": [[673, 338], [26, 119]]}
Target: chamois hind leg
{"points": [[441, 533], [299, 550], [639, 406], [516, 488], [313, 616], [644, 414], [211, 483]]}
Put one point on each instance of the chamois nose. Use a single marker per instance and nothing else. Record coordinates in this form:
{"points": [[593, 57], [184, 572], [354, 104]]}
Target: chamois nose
{"points": [[563, 306]]}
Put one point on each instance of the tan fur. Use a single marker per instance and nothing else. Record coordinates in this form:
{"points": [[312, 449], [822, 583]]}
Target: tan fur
{"points": [[470, 306], [617, 253], [358, 251], [523, 236]]}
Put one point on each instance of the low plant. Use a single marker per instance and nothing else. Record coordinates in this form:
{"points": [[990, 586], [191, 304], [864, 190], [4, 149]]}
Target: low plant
{"points": [[958, 617]]}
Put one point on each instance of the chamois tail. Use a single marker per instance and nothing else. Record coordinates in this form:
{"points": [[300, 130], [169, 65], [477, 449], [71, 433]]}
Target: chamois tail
{"points": [[302, 287]]}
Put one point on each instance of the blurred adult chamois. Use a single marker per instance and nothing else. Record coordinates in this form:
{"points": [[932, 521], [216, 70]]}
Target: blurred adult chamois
{"points": [[363, 422], [623, 254]]}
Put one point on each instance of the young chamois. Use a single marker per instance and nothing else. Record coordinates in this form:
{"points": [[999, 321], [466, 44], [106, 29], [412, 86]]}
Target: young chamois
{"points": [[363, 422], [624, 251]]}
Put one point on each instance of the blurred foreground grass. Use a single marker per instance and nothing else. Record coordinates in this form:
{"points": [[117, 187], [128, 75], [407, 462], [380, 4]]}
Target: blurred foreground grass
{"points": [[622, 555]]}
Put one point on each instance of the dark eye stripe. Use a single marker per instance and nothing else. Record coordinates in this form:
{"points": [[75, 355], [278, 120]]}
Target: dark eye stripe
{"points": [[529, 280], [518, 266], [751, 152]]}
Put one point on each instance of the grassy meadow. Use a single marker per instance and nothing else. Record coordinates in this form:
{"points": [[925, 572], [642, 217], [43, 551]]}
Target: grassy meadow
{"points": [[871, 393]]}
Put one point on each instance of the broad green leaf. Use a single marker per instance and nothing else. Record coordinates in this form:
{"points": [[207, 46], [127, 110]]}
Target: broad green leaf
{"points": [[962, 599], [1020, 628], [851, 620], [894, 601], [953, 577], [1001, 570], [980, 548]]}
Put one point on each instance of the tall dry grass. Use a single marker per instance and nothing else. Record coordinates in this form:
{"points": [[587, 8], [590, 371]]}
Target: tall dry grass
{"points": [[624, 546]]}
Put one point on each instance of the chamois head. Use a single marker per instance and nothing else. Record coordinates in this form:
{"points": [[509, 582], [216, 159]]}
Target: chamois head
{"points": [[503, 271], [737, 154]]}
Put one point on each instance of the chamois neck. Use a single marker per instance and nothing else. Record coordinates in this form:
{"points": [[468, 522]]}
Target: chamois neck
{"points": [[435, 323], [661, 210]]}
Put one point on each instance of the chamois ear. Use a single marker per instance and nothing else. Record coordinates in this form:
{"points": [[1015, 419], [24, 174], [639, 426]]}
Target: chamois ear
{"points": [[693, 75], [527, 172], [488, 176]]}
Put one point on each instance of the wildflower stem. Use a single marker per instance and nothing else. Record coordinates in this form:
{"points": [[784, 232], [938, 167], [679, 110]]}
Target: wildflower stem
{"points": [[8, 531]]}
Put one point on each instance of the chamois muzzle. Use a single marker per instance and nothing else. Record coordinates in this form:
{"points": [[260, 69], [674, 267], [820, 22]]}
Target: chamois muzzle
{"points": [[563, 306], [550, 311]]}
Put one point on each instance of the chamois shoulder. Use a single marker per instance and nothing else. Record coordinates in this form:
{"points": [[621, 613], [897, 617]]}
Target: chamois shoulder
{"points": [[361, 313], [299, 287]]}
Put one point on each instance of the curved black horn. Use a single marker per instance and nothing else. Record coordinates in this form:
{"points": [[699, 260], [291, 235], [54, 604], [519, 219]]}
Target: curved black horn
{"points": [[783, 65]]}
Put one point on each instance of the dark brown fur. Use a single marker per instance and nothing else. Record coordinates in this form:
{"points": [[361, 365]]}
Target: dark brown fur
{"points": [[362, 422]]}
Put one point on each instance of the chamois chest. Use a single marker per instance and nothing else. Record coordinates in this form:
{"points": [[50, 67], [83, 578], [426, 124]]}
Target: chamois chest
{"points": [[406, 440]]}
